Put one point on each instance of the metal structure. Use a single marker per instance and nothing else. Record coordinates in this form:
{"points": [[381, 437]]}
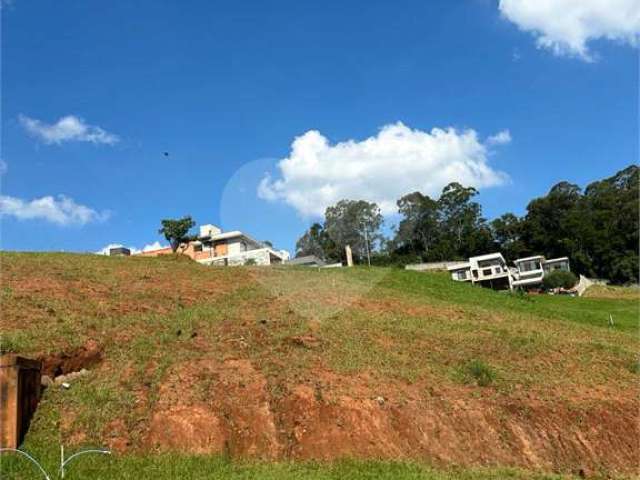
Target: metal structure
{"points": [[63, 461]]}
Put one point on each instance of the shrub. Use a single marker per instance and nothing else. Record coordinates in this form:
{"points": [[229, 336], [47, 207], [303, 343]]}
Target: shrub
{"points": [[481, 372], [559, 278], [250, 261]]}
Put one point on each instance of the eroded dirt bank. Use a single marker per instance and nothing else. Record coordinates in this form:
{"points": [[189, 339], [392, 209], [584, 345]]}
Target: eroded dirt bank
{"points": [[229, 407]]}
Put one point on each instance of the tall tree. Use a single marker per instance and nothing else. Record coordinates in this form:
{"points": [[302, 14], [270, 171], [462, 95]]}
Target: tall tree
{"points": [[355, 223], [462, 223], [419, 228], [507, 233], [316, 242], [597, 230], [612, 209], [175, 231]]}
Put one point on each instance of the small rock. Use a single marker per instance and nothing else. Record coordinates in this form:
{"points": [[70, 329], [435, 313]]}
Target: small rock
{"points": [[65, 385], [178, 332], [380, 400], [60, 379], [263, 321], [194, 334], [46, 381]]}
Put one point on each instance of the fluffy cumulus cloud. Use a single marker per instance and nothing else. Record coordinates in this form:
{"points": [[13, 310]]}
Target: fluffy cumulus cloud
{"points": [[67, 129], [566, 26], [60, 210], [152, 246], [396, 161]]}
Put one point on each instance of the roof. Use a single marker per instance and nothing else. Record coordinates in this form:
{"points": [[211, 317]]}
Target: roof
{"points": [[228, 235], [487, 256], [535, 257], [559, 259]]}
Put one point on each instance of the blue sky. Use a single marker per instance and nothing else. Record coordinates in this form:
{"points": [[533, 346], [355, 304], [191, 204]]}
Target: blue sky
{"points": [[226, 87]]}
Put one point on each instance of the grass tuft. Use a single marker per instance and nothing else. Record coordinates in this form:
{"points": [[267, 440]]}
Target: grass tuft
{"points": [[482, 373]]}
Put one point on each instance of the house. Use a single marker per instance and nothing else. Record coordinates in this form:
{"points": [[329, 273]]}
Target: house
{"points": [[488, 270], [215, 247], [530, 271], [460, 271], [119, 252], [561, 263], [492, 271]]}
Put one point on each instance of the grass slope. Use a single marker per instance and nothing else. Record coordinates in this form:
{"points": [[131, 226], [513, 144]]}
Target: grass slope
{"points": [[371, 328]]}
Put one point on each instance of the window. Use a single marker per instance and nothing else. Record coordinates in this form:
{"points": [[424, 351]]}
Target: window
{"points": [[475, 273], [461, 275], [197, 247], [486, 272], [529, 265]]}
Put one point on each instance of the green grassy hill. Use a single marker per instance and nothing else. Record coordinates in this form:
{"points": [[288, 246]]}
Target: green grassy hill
{"points": [[287, 373]]}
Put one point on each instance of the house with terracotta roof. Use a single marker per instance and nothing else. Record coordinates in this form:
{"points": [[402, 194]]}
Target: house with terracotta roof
{"points": [[215, 247]]}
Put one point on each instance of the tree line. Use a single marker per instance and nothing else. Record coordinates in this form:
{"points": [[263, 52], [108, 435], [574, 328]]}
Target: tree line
{"points": [[597, 228]]}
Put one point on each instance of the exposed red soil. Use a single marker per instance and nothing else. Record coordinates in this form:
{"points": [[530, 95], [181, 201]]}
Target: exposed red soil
{"points": [[62, 363], [326, 416]]}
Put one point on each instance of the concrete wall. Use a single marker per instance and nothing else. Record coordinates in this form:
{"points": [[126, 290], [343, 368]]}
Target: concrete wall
{"points": [[19, 397], [420, 267]]}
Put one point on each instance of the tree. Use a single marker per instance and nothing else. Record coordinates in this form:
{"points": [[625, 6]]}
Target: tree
{"points": [[419, 228], [175, 231], [461, 220], [559, 279], [507, 233], [356, 223], [597, 230], [316, 242]]}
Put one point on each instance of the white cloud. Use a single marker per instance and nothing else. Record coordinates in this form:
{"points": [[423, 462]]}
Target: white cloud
{"points": [[152, 246], [67, 129], [396, 161], [61, 210], [3, 167], [501, 138], [567, 26]]}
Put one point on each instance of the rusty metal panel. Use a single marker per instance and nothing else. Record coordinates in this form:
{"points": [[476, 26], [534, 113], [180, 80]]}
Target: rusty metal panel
{"points": [[19, 397]]}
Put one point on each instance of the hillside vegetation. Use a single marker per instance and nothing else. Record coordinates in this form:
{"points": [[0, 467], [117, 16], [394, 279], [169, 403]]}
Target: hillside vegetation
{"points": [[252, 372]]}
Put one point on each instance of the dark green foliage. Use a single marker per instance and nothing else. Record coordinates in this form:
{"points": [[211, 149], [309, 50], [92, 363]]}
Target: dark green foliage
{"points": [[597, 230], [348, 222], [559, 279], [355, 223], [315, 241], [507, 232], [444, 229], [175, 231]]}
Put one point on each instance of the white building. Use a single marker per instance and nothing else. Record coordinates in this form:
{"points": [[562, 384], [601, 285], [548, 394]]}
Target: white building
{"points": [[215, 247], [530, 271], [491, 270]]}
